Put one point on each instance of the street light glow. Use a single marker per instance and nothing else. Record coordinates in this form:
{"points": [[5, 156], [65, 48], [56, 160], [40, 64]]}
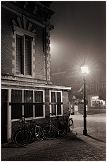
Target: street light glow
{"points": [[84, 69]]}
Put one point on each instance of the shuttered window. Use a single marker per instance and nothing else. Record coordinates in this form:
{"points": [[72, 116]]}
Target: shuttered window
{"points": [[23, 55]]}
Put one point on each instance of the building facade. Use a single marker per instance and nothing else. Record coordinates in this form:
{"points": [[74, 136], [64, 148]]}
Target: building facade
{"points": [[26, 87]]}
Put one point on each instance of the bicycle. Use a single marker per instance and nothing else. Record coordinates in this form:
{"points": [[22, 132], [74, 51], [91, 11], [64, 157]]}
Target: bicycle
{"points": [[23, 135], [37, 131], [71, 126], [28, 133], [52, 131]]}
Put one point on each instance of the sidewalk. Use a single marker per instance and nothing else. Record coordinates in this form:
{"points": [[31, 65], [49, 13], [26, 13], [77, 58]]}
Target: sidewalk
{"points": [[96, 125], [70, 148]]}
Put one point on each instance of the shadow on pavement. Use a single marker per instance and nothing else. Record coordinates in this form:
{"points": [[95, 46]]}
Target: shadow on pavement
{"points": [[10, 145], [73, 137], [69, 137], [95, 138]]}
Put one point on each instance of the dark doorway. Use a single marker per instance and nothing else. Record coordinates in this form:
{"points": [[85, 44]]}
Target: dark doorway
{"points": [[4, 96]]}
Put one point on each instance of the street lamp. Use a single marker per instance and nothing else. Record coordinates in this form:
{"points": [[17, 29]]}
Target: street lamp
{"points": [[84, 71]]}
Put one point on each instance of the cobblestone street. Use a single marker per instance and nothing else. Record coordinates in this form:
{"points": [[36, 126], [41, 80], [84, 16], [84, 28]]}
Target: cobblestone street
{"points": [[69, 148]]}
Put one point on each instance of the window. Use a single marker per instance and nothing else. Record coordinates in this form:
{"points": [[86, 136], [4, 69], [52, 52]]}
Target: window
{"points": [[16, 104], [19, 55], [39, 104], [28, 52], [23, 54], [56, 104], [53, 103], [27, 102]]}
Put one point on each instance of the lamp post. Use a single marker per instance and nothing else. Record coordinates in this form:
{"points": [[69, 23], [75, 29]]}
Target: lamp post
{"points": [[85, 71]]}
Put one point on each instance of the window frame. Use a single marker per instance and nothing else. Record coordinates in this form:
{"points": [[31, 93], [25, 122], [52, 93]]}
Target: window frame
{"points": [[21, 32], [33, 107], [13, 103], [23, 96], [56, 103], [43, 105]]}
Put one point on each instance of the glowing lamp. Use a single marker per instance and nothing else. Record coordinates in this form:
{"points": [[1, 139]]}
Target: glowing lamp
{"points": [[84, 69]]}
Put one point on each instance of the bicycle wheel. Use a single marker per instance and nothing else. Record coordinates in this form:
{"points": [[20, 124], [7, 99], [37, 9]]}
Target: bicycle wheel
{"points": [[62, 132], [49, 132], [22, 137], [38, 132]]}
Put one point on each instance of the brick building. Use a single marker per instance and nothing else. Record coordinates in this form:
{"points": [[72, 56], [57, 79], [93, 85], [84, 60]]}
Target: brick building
{"points": [[25, 66]]}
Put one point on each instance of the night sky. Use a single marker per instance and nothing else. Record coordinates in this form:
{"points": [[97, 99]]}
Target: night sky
{"points": [[79, 36]]}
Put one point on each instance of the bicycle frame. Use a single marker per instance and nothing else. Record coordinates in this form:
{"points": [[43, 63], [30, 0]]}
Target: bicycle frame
{"points": [[23, 135], [50, 128]]}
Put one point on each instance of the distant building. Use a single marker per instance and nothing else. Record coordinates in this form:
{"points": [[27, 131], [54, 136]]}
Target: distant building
{"points": [[25, 66], [94, 101]]}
